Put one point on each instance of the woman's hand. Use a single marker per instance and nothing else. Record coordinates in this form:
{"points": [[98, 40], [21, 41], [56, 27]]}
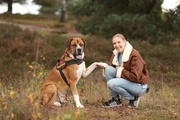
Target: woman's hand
{"points": [[117, 67], [101, 65]]}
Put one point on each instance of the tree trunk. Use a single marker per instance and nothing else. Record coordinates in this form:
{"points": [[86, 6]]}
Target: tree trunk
{"points": [[64, 13], [9, 2]]}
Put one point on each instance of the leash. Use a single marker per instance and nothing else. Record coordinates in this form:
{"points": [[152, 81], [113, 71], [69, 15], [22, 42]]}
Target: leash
{"points": [[61, 64]]}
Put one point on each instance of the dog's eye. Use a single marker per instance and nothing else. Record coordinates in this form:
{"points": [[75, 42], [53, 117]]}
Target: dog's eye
{"points": [[80, 44], [74, 45]]}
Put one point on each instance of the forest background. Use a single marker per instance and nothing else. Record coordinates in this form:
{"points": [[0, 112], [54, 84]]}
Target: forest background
{"points": [[31, 44]]}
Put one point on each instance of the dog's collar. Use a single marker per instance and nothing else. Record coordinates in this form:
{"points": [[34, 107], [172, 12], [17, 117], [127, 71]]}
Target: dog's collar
{"points": [[62, 64], [74, 61]]}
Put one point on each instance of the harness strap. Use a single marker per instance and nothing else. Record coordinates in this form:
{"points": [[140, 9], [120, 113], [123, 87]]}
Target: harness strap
{"points": [[61, 64], [62, 75], [78, 61]]}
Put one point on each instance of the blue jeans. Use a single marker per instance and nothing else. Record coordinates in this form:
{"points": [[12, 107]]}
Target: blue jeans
{"points": [[123, 87]]}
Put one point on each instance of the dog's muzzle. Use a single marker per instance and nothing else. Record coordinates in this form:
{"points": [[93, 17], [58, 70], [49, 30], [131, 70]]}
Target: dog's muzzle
{"points": [[79, 51], [78, 54]]}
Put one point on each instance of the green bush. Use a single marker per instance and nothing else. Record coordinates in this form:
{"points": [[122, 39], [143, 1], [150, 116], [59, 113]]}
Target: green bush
{"points": [[136, 19]]}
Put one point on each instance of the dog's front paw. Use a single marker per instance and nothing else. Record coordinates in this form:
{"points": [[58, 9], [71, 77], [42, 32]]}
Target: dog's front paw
{"points": [[79, 106], [101, 64], [64, 101], [57, 104]]}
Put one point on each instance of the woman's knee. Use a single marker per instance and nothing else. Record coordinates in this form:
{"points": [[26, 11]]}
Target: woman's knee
{"points": [[109, 70], [110, 84]]}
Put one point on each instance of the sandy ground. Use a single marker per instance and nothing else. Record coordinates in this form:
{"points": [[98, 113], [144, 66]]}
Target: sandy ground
{"points": [[64, 31]]}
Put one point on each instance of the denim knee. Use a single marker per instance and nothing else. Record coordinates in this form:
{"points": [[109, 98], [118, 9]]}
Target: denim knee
{"points": [[110, 84], [107, 70], [110, 72]]}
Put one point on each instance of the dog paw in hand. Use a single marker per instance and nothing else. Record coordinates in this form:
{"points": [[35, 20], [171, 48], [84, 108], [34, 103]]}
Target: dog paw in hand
{"points": [[101, 64]]}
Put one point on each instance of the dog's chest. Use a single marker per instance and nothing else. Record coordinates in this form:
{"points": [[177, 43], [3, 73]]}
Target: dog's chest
{"points": [[80, 70]]}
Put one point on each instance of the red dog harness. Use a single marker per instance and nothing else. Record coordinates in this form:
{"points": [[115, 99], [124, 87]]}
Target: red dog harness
{"points": [[61, 64]]}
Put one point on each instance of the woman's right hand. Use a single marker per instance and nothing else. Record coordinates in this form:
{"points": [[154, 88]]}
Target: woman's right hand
{"points": [[101, 65]]}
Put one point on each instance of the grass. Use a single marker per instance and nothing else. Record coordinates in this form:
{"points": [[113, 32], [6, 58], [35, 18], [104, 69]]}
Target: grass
{"points": [[27, 57], [38, 20]]}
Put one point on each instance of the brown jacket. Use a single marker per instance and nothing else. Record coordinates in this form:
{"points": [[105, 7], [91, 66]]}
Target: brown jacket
{"points": [[133, 66]]}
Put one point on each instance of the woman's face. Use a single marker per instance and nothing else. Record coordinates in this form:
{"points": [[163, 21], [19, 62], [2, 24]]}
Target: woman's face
{"points": [[119, 44]]}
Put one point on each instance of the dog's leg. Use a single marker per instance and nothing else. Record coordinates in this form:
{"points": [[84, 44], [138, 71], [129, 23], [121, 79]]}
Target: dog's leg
{"points": [[88, 70], [76, 95], [49, 95], [62, 96]]}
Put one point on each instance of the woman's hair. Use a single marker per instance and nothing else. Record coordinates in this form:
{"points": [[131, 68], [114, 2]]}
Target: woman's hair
{"points": [[119, 36]]}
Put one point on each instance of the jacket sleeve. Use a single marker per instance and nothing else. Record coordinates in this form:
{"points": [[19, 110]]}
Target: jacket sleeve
{"points": [[135, 72], [110, 62]]}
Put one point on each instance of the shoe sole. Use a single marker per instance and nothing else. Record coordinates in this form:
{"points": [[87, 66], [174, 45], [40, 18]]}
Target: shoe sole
{"points": [[131, 107], [112, 106]]}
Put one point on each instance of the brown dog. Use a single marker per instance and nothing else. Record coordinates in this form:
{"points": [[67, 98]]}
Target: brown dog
{"points": [[69, 69]]}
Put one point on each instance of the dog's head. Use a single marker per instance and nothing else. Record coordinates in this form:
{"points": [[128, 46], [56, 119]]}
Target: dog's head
{"points": [[75, 48]]}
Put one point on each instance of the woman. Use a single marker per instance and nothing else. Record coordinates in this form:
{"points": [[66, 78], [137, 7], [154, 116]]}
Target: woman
{"points": [[126, 75]]}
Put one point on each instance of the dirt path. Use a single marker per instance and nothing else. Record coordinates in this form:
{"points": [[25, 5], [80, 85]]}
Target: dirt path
{"points": [[63, 31]]}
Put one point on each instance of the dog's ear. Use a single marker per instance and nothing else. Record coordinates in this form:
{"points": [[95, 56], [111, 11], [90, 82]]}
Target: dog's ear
{"points": [[68, 44], [84, 43]]}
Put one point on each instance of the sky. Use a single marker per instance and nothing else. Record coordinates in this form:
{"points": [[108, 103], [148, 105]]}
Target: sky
{"points": [[31, 8], [169, 4]]}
